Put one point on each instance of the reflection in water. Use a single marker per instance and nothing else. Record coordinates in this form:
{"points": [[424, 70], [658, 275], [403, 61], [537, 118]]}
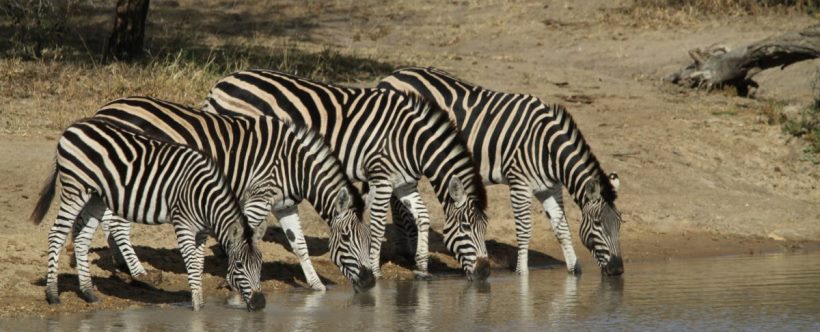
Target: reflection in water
{"points": [[739, 293], [564, 301]]}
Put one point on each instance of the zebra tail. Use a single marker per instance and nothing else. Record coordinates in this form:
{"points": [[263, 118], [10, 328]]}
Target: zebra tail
{"points": [[46, 196]]}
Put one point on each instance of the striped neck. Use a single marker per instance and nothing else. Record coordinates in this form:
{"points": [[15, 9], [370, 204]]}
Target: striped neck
{"points": [[570, 159], [317, 174], [212, 200], [443, 155]]}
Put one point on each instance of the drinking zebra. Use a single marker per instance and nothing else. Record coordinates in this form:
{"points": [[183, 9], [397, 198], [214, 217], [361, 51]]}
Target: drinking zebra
{"points": [[518, 140], [385, 139], [100, 166], [270, 166]]}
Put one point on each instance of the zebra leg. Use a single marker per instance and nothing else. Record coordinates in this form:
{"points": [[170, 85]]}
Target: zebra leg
{"points": [[379, 196], [193, 253], [411, 201], [119, 244], [404, 221], [72, 201], [521, 198], [554, 207], [82, 242], [116, 253], [289, 220], [120, 234]]}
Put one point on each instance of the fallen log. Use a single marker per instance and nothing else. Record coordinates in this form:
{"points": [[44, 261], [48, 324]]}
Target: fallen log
{"points": [[718, 66]]}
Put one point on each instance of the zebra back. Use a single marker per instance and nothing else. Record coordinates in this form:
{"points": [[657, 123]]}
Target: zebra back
{"points": [[254, 153], [145, 180], [496, 125], [357, 123]]}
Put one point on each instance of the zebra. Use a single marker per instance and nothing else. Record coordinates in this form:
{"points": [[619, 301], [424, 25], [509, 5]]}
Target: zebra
{"points": [[100, 166], [518, 140], [270, 166], [385, 139]]}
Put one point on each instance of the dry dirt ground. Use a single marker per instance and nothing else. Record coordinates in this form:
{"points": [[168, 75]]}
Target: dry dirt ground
{"points": [[702, 174]]}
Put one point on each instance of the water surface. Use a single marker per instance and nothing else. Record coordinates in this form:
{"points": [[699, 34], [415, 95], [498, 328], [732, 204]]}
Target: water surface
{"points": [[769, 292]]}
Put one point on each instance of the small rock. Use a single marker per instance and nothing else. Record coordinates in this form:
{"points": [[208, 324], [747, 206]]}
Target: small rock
{"points": [[776, 237]]}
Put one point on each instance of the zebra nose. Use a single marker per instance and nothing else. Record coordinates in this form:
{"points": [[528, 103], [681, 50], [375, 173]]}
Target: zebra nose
{"points": [[482, 269], [615, 267], [256, 302], [366, 280]]}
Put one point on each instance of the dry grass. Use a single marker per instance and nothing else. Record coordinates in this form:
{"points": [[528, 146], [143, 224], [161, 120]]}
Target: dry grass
{"points": [[665, 13], [45, 96], [44, 91]]}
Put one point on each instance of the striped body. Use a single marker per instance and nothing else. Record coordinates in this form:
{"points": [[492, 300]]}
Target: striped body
{"points": [[100, 166], [270, 166], [383, 138], [534, 148]]}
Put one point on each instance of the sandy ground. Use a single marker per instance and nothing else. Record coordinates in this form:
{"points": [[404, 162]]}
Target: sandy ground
{"points": [[702, 174]]}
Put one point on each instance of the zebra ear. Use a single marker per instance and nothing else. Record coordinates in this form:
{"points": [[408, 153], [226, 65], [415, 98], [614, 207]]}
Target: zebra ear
{"points": [[343, 201], [592, 191], [615, 181], [456, 189]]}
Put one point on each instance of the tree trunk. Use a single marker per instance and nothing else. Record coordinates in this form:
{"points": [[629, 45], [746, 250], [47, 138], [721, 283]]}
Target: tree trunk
{"points": [[126, 41], [717, 66]]}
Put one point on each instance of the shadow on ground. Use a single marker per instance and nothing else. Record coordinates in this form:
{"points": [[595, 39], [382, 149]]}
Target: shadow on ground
{"points": [[224, 37]]}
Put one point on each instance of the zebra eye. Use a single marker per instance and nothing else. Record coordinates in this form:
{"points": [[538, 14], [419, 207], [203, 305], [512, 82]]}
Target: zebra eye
{"points": [[465, 227], [239, 265]]}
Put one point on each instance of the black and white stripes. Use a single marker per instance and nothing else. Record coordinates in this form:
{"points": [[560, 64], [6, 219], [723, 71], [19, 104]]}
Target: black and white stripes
{"points": [[518, 140], [100, 166], [381, 137], [271, 166]]}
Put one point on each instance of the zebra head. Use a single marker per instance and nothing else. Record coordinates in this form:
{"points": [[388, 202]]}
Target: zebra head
{"points": [[601, 224], [350, 242], [464, 229], [245, 263]]}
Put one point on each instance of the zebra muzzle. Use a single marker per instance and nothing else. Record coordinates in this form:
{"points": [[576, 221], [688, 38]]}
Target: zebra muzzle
{"points": [[256, 302], [615, 267], [482, 269], [365, 281]]}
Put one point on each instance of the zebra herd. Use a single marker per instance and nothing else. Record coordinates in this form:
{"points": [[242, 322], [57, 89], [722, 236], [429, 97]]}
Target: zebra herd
{"points": [[265, 140]]}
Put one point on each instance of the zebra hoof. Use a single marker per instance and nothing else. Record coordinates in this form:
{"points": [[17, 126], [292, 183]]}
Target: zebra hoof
{"points": [[150, 277], [52, 298], [575, 269], [89, 296], [422, 275], [319, 287]]}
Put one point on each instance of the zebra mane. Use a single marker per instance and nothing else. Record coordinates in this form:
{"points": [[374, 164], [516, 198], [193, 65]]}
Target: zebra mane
{"points": [[427, 109], [445, 74], [608, 192], [312, 139]]}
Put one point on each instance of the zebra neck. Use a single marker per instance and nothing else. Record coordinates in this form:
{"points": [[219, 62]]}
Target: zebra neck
{"points": [[569, 158], [313, 174]]}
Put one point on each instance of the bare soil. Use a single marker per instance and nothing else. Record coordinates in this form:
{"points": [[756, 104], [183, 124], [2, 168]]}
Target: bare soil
{"points": [[703, 174]]}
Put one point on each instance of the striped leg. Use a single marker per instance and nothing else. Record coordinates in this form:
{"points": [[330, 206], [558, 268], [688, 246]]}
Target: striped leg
{"points": [[404, 221], [379, 196], [192, 247], [120, 232], [415, 210], [86, 226], [521, 197], [72, 202], [289, 220], [116, 253], [554, 207]]}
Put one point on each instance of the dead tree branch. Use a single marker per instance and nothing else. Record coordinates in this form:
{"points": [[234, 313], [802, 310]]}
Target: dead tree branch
{"points": [[717, 66]]}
